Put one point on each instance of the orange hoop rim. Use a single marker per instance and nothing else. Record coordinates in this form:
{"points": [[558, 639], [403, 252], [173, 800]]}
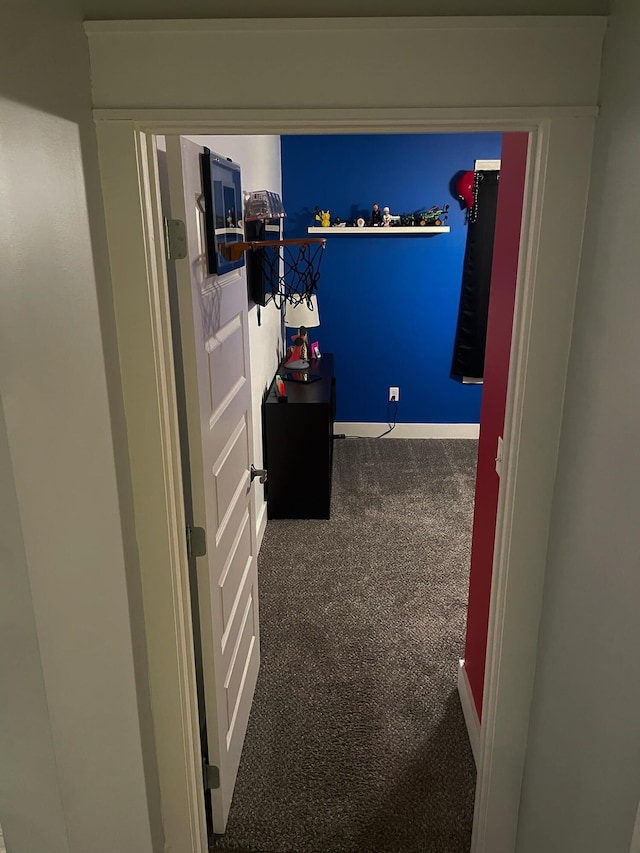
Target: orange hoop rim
{"points": [[233, 251]]}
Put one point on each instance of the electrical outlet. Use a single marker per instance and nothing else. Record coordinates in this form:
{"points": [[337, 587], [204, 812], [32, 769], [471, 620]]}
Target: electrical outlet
{"points": [[394, 394]]}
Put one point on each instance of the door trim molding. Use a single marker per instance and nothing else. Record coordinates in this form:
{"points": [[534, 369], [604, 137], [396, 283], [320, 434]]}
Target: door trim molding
{"points": [[471, 718], [553, 218], [200, 120], [262, 524], [141, 301]]}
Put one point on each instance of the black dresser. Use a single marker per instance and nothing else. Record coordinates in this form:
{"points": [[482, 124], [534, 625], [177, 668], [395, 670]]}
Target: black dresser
{"points": [[298, 437]]}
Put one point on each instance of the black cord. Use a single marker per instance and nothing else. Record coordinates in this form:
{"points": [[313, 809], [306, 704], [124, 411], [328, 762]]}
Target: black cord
{"points": [[395, 418], [391, 426]]}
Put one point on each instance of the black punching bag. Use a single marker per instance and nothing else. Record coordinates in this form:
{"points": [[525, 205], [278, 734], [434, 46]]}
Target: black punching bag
{"points": [[471, 332]]}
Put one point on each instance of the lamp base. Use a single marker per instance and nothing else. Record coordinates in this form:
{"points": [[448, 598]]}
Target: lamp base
{"points": [[299, 364]]}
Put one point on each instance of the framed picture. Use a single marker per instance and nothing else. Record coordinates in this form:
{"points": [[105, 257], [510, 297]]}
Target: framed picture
{"points": [[223, 210]]}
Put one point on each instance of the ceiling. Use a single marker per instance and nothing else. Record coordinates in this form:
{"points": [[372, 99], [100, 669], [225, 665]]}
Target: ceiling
{"points": [[177, 9]]}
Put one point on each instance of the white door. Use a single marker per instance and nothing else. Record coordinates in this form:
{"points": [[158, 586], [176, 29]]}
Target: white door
{"points": [[215, 354]]}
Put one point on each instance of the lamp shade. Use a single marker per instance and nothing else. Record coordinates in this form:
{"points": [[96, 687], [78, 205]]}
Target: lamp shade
{"points": [[303, 314]]}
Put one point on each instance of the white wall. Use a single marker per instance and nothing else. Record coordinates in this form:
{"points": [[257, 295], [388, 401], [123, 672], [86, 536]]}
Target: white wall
{"points": [[259, 158], [582, 779], [27, 776], [76, 759]]}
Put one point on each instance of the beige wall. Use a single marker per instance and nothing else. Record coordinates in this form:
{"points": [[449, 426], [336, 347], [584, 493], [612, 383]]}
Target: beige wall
{"points": [[72, 745], [582, 778], [28, 775]]}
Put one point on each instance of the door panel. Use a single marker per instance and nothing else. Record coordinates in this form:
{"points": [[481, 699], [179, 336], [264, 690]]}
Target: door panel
{"points": [[232, 581], [230, 473], [215, 353]]}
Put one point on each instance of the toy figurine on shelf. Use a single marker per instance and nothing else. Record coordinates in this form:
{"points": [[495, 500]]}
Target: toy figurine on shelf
{"points": [[323, 217], [434, 215], [388, 218], [376, 215]]}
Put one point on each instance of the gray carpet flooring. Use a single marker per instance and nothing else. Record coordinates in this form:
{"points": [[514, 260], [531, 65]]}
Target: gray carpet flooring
{"points": [[356, 740]]}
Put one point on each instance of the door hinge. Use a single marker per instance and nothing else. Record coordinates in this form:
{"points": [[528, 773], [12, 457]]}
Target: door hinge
{"points": [[499, 453], [175, 239], [211, 775], [196, 541]]}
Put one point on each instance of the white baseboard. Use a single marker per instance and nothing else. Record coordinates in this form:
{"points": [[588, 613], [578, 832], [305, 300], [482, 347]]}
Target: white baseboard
{"points": [[369, 430], [469, 710], [262, 523]]}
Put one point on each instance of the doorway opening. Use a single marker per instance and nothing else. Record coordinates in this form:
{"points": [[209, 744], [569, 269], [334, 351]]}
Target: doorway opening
{"points": [[557, 170], [383, 348]]}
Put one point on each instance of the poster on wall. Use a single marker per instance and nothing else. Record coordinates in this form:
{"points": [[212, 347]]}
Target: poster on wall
{"points": [[223, 211]]}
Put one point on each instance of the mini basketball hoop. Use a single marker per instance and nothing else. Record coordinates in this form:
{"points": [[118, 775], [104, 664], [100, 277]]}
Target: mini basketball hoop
{"points": [[286, 269], [291, 268]]}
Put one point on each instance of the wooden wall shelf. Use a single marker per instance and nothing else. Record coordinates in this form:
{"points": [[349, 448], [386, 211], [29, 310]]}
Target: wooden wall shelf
{"points": [[372, 231]]}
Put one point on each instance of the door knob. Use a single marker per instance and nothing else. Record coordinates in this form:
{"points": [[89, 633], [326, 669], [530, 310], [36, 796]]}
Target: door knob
{"points": [[258, 472]]}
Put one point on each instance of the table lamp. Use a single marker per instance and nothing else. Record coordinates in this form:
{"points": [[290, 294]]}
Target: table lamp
{"points": [[302, 315]]}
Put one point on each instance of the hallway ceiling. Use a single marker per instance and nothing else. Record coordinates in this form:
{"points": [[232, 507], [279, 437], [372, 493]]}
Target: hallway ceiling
{"points": [[182, 9]]}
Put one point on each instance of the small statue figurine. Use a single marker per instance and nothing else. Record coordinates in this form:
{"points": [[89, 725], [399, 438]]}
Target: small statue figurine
{"points": [[388, 218], [323, 217], [376, 215], [299, 354]]}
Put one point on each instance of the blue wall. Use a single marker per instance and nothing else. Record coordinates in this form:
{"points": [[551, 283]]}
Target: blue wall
{"points": [[388, 305]]}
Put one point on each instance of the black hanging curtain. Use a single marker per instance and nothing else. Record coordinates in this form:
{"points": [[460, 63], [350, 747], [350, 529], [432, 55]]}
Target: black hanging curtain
{"points": [[471, 332]]}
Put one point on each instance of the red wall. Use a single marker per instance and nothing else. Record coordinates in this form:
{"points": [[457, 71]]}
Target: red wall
{"points": [[494, 394]]}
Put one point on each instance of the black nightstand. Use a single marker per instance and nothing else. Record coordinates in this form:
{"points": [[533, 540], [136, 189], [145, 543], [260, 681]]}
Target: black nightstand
{"points": [[299, 445]]}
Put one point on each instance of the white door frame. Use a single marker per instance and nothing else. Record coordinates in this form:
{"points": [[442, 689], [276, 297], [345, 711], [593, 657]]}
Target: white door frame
{"points": [[555, 202]]}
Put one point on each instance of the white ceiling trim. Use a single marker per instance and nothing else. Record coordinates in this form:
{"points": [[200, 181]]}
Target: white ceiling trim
{"points": [[425, 63], [446, 22]]}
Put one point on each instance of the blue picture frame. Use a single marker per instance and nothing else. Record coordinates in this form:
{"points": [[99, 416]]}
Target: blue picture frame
{"points": [[222, 185]]}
